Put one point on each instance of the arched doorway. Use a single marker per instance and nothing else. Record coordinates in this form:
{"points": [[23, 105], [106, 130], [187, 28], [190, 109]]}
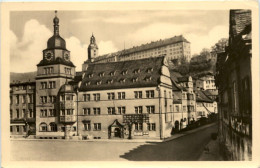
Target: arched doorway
{"points": [[117, 132]]}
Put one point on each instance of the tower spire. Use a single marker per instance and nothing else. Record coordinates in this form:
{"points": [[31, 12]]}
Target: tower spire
{"points": [[56, 24]]}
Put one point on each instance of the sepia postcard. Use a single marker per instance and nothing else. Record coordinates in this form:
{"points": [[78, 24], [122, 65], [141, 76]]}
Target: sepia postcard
{"points": [[132, 84]]}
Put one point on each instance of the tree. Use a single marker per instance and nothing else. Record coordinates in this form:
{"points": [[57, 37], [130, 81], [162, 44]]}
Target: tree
{"points": [[219, 46]]}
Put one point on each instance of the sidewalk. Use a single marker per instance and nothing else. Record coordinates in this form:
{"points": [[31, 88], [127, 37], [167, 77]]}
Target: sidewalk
{"points": [[213, 154], [123, 140]]}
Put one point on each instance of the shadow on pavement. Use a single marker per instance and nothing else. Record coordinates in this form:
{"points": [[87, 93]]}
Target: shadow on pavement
{"points": [[186, 148]]}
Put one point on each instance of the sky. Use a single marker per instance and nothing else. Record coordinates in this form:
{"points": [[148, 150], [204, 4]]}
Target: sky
{"points": [[114, 30]]}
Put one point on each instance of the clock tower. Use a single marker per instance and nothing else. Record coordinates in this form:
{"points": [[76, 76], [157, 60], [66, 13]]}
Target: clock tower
{"points": [[54, 70]]}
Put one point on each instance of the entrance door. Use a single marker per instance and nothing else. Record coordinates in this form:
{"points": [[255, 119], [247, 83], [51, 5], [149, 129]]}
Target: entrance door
{"points": [[117, 132]]}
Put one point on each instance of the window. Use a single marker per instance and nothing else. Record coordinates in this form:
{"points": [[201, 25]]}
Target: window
{"points": [[138, 94], [150, 94], [43, 113], [96, 97], [138, 126], [11, 129], [111, 96], [11, 114], [43, 99], [136, 71], [101, 74], [30, 113], [69, 97], [23, 113], [52, 85], [135, 79], [183, 96], [62, 112], [48, 70], [44, 85], [184, 108], [67, 70], [96, 111], [151, 126], [43, 127], [121, 110], [111, 110], [11, 99], [110, 81], [124, 72], [86, 97], [70, 111], [150, 109], [17, 129], [121, 95], [139, 110], [17, 113], [53, 127], [86, 111], [23, 87], [52, 99], [17, 99], [52, 112], [177, 108], [30, 98], [87, 126], [97, 126], [90, 75], [23, 99]]}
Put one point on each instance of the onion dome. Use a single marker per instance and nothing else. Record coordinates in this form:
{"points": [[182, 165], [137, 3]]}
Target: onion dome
{"points": [[56, 42]]}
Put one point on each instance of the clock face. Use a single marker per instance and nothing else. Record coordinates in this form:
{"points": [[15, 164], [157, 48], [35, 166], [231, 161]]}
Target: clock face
{"points": [[66, 56], [48, 55]]}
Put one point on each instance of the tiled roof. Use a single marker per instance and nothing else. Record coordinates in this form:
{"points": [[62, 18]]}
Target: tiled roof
{"points": [[143, 47], [183, 79], [175, 75], [127, 74], [58, 60], [202, 97], [16, 78]]}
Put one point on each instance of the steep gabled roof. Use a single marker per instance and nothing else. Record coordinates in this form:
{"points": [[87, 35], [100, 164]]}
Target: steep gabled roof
{"points": [[127, 74], [202, 97]]}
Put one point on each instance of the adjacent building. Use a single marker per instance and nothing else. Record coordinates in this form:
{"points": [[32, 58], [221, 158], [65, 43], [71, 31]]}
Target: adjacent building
{"points": [[22, 104], [205, 82], [234, 82]]}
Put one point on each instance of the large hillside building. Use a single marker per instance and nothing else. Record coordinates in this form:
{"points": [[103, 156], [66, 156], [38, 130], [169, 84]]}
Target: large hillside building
{"points": [[173, 48]]}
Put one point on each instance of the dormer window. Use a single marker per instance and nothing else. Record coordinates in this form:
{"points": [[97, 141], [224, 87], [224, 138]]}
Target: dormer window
{"points": [[101, 74], [90, 75], [99, 82], [122, 81], [136, 71], [87, 83], [135, 79], [148, 78], [110, 81], [124, 72], [149, 70], [112, 73]]}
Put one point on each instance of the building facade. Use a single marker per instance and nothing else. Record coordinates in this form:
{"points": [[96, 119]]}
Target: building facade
{"points": [[233, 80], [205, 82], [173, 48], [22, 108]]}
